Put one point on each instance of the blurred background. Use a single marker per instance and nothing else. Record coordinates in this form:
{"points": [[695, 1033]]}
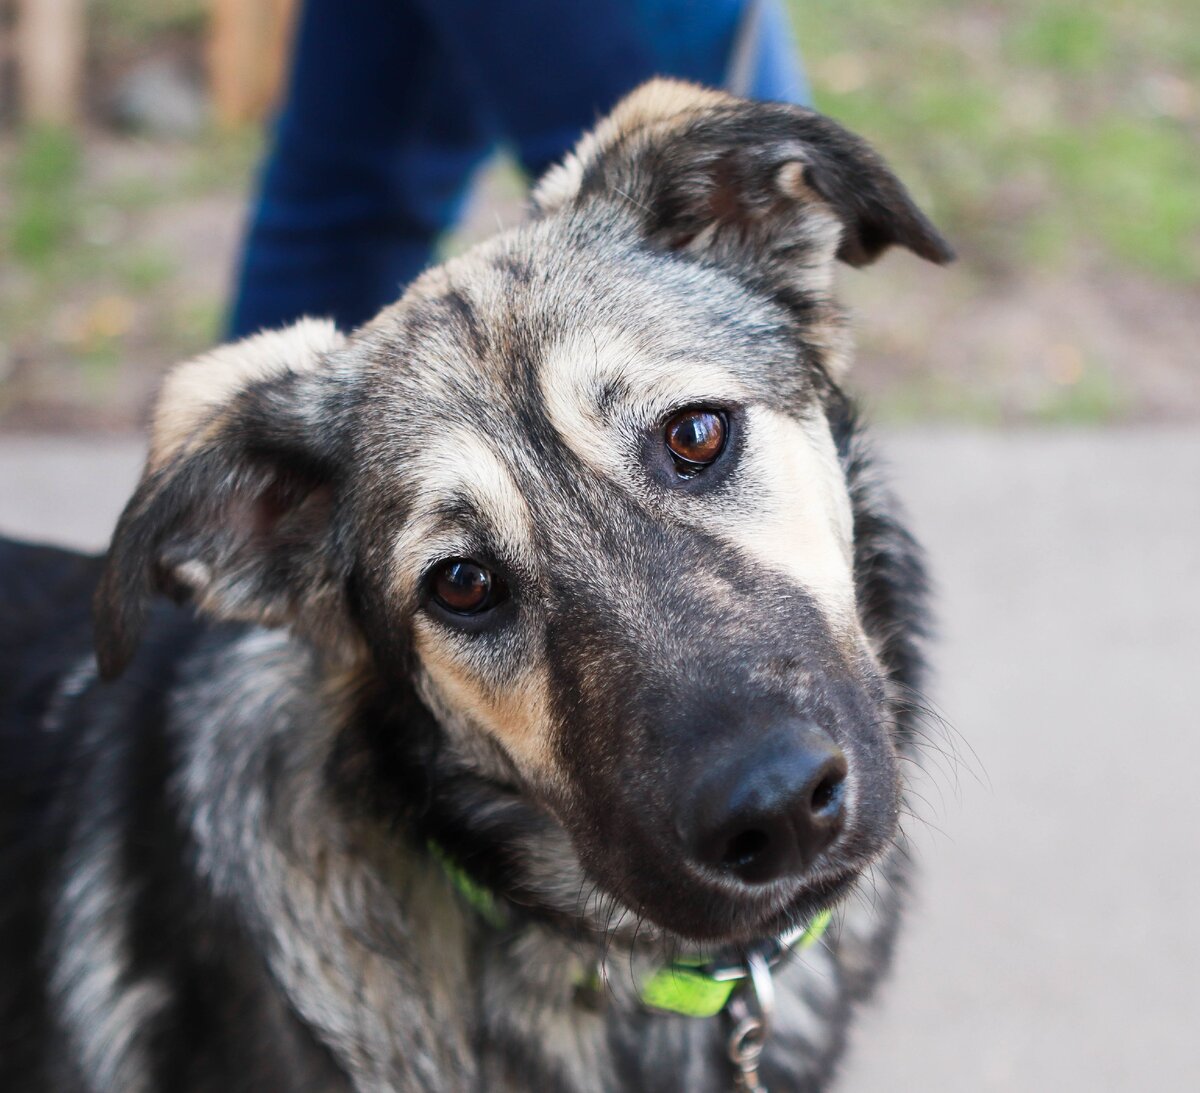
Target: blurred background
{"points": [[1057, 144], [1040, 404]]}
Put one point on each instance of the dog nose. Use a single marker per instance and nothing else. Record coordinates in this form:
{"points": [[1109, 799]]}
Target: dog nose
{"points": [[768, 813]]}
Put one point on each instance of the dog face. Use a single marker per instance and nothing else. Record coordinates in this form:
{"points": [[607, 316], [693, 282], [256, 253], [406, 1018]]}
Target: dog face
{"points": [[579, 489]]}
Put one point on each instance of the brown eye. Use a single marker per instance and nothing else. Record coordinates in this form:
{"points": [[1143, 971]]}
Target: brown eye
{"points": [[464, 587], [696, 437]]}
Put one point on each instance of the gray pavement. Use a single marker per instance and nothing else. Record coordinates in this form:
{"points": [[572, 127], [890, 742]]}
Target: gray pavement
{"points": [[1054, 944]]}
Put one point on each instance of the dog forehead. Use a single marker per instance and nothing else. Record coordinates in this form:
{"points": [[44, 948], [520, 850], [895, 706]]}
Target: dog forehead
{"points": [[587, 315], [522, 377]]}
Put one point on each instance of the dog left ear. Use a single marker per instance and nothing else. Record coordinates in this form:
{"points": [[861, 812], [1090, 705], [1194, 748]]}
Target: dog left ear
{"points": [[771, 188], [234, 509]]}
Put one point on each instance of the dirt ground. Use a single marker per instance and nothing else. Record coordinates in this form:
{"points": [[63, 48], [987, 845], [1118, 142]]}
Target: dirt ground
{"points": [[86, 334], [1057, 144], [1051, 945]]}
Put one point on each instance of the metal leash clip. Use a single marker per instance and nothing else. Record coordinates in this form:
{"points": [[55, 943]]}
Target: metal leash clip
{"points": [[750, 1012]]}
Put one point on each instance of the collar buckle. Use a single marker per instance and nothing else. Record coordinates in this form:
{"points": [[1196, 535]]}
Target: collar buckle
{"points": [[704, 988], [750, 1011]]}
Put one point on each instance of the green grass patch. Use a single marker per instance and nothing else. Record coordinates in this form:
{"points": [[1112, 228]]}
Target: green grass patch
{"points": [[937, 396], [146, 269], [1136, 187], [195, 326], [1068, 39], [139, 20], [1034, 130], [1093, 399], [132, 194], [220, 159], [42, 178]]}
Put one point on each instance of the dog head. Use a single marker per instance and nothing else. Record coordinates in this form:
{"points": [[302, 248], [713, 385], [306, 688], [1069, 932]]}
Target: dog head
{"points": [[579, 490]]}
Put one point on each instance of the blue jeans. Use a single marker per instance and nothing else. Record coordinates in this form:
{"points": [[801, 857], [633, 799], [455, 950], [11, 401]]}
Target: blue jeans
{"points": [[391, 104]]}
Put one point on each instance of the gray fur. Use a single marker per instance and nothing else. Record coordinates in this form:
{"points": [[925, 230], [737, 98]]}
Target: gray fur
{"points": [[330, 722]]}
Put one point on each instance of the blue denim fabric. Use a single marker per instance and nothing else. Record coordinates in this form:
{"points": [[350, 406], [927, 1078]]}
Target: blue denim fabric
{"points": [[391, 104]]}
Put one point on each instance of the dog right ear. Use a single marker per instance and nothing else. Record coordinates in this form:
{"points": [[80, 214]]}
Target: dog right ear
{"points": [[235, 506], [769, 190]]}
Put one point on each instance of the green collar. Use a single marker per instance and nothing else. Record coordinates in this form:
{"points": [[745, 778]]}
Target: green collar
{"points": [[480, 900], [689, 986], [697, 987]]}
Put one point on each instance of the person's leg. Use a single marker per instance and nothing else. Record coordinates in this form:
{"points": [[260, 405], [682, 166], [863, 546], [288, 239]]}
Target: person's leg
{"points": [[392, 102], [765, 61], [744, 46], [372, 152], [544, 71]]}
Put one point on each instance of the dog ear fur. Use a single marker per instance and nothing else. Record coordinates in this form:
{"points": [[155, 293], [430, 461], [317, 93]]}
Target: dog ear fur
{"points": [[234, 509], [745, 182]]}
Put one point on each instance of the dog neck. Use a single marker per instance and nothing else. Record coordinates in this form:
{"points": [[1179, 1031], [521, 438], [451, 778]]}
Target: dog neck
{"points": [[378, 951], [687, 985], [373, 946]]}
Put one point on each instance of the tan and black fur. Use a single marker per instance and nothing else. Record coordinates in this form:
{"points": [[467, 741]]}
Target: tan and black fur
{"points": [[216, 839]]}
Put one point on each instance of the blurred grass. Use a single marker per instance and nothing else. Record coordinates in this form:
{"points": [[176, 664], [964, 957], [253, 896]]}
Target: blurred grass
{"points": [[105, 275], [41, 181], [137, 20], [1039, 130], [1057, 144]]}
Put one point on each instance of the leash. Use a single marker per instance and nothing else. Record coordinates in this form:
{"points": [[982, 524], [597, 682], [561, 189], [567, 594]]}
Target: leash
{"points": [[738, 986]]}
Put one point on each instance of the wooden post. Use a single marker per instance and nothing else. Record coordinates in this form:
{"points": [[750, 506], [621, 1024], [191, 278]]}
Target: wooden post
{"points": [[278, 51], [8, 53], [50, 50], [247, 56]]}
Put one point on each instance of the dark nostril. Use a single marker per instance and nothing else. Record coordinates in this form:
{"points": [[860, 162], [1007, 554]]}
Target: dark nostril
{"points": [[743, 848], [769, 815], [826, 796]]}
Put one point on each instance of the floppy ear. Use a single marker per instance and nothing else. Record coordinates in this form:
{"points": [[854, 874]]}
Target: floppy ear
{"points": [[234, 508], [772, 189]]}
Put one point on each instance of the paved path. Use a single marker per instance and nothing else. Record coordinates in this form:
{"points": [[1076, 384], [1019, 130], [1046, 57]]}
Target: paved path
{"points": [[1056, 942]]}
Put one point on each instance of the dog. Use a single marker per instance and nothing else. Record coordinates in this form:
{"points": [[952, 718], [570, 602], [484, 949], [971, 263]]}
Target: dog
{"points": [[503, 696]]}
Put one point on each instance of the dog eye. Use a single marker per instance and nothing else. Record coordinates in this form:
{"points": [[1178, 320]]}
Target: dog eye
{"points": [[464, 587], [696, 437]]}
